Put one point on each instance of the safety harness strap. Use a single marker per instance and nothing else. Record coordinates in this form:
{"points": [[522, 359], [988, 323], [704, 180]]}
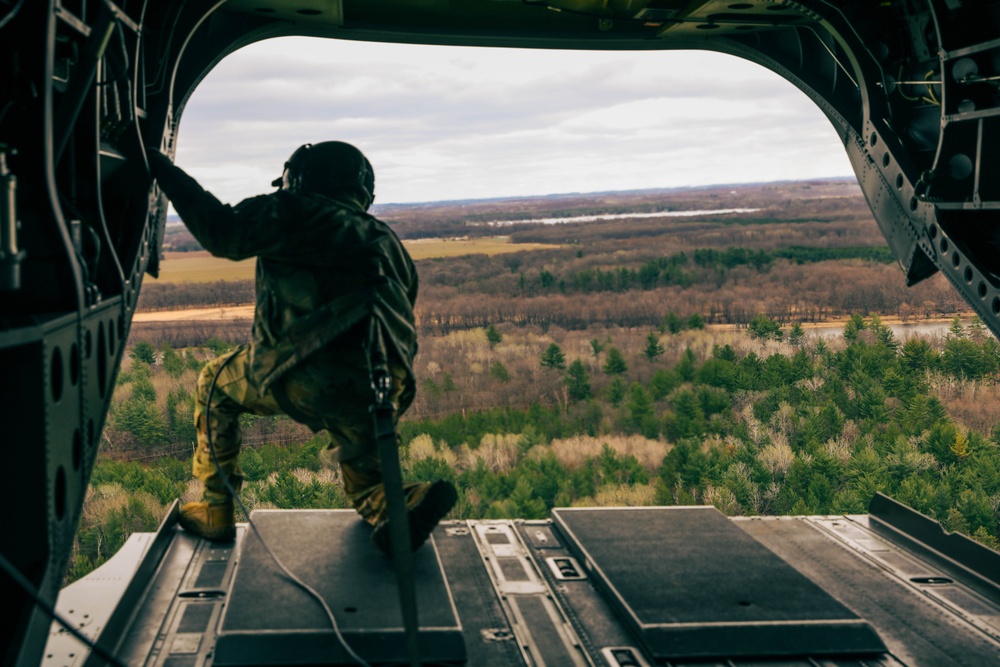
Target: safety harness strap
{"points": [[392, 480]]}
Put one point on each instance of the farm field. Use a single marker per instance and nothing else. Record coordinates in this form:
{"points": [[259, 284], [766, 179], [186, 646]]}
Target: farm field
{"points": [[490, 245], [201, 267]]}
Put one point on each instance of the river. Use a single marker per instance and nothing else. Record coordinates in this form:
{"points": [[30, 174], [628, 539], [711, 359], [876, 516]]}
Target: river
{"points": [[902, 331]]}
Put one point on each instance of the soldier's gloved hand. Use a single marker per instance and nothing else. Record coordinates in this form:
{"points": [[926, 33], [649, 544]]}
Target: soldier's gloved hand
{"points": [[190, 200]]}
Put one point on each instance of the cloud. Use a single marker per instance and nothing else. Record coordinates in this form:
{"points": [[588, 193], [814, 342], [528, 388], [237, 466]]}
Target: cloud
{"points": [[458, 122]]}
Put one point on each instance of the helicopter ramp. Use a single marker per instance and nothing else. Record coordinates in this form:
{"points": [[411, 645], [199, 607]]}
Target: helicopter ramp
{"points": [[614, 587]]}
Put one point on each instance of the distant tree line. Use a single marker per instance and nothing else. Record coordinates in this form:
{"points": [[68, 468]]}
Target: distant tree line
{"points": [[168, 296], [727, 286], [177, 238], [191, 333], [784, 291]]}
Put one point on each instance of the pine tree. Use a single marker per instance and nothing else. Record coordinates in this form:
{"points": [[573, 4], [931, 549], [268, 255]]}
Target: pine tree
{"points": [[960, 448], [597, 346], [764, 328], [640, 407], [663, 382], [883, 334], [724, 352], [143, 390], [144, 351], [962, 358], [577, 381], [616, 391], [615, 362], [553, 357], [493, 336], [688, 419], [955, 329], [430, 388], [671, 323], [172, 402], [917, 355], [853, 326], [977, 330], [653, 349], [143, 420], [499, 372], [173, 362], [687, 366], [796, 335]]}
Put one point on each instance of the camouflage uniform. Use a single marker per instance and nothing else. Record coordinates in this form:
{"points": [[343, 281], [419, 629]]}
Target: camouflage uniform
{"points": [[330, 279]]}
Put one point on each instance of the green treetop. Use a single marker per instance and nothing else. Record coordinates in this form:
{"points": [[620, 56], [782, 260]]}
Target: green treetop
{"points": [[614, 364], [853, 326], [577, 381], [797, 334], [493, 336], [977, 330], [640, 410], [144, 351], [671, 323], [764, 328], [553, 357], [615, 391], [955, 329], [499, 372], [653, 349]]}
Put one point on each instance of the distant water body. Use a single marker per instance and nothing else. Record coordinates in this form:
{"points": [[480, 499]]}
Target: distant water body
{"points": [[901, 331], [619, 216]]}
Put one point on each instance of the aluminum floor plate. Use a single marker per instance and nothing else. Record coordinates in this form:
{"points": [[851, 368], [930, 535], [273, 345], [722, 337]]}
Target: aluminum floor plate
{"points": [[271, 621], [693, 585]]}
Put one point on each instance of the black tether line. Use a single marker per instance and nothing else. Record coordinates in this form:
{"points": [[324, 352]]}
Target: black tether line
{"points": [[392, 482]]}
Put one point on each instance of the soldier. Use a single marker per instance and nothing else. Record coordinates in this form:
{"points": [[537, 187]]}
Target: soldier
{"points": [[335, 293]]}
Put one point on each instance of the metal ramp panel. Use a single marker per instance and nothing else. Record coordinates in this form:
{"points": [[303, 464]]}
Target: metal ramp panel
{"points": [[691, 585], [271, 621]]}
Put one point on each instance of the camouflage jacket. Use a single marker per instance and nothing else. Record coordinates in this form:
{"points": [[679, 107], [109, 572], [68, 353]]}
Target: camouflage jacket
{"points": [[324, 267]]}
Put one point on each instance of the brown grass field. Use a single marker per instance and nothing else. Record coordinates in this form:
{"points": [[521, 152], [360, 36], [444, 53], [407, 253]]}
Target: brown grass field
{"points": [[489, 245], [201, 267]]}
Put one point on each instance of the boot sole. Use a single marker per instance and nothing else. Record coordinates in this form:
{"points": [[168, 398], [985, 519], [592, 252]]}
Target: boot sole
{"points": [[222, 534], [423, 517]]}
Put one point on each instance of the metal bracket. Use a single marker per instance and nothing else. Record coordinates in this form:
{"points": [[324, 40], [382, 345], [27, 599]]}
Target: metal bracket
{"points": [[623, 656], [10, 255], [565, 568]]}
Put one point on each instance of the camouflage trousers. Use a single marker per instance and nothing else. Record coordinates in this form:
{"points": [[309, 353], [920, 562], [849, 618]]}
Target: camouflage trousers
{"points": [[332, 389]]}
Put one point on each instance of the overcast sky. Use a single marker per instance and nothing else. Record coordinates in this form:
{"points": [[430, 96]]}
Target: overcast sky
{"points": [[443, 123]]}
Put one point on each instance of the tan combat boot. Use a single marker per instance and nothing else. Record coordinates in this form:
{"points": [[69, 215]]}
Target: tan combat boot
{"points": [[215, 522], [426, 504]]}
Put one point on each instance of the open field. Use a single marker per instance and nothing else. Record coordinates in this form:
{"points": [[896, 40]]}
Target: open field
{"points": [[201, 267], [225, 314], [489, 245]]}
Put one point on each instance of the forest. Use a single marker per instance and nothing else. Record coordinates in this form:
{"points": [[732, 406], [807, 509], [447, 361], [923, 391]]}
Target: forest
{"points": [[673, 370]]}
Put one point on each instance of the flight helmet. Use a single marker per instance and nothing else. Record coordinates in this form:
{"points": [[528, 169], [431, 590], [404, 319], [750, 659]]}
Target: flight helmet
{"points": [[329, 168]]}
